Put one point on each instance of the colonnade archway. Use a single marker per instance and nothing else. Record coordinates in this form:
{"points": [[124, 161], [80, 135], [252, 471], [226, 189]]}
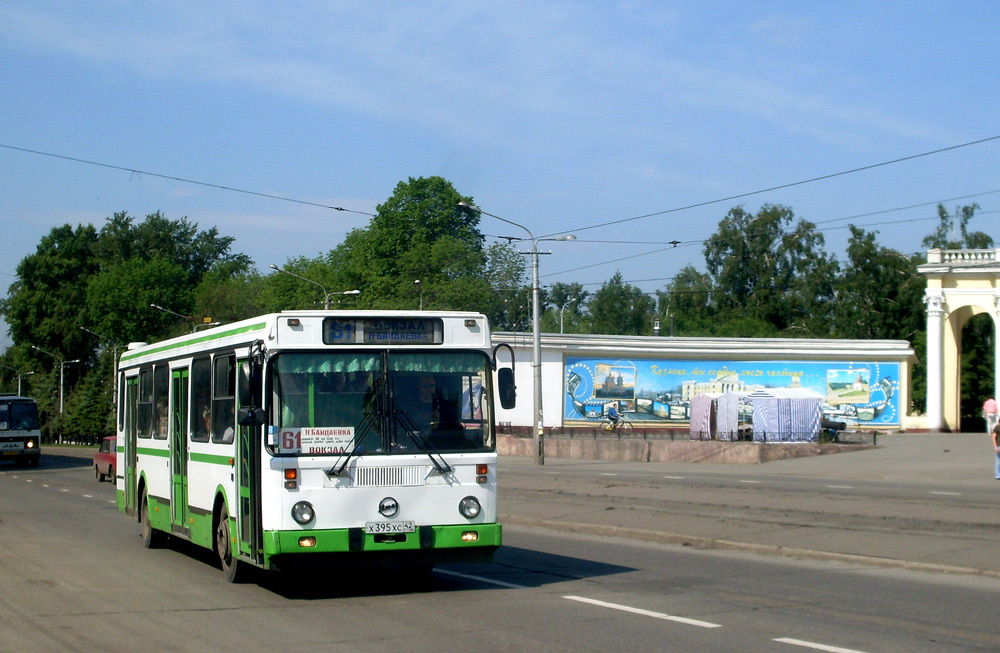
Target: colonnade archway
{"points": [[960, 285]]}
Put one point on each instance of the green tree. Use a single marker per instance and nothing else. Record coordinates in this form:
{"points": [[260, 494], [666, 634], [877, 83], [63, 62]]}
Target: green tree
{"points": [[412, 233], [879, 292], [766, 269], [565, 302], [686, 304], [953, 230], [619, 308], [46, 305], [419, 234]]}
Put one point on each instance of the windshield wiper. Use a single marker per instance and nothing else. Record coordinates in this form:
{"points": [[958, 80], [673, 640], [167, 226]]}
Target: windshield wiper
{"points": [[366, 425], [420, 441]]}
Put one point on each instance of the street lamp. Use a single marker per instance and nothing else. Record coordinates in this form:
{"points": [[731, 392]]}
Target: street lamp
{"points": [[62, 376], [186, 318], [564, 305], [19, 375], [536, 342], [114, 363], [417, 283], [326, 295]]}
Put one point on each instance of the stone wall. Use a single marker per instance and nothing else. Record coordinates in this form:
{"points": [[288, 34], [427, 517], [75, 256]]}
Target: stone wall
{"points": [[664, 451]]}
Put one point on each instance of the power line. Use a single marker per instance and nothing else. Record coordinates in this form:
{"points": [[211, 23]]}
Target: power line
{"points": [[689, 243], [136, 171], [779, 187]]}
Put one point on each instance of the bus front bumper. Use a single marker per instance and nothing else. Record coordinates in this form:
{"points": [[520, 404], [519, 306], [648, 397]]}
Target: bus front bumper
{"points": [[429, 544]]}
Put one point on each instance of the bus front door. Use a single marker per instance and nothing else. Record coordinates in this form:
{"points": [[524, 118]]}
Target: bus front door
{"points": [[131, 397], [178, 449]]}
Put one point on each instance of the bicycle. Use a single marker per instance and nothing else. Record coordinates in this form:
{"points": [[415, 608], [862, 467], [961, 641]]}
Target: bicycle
{"points": [[622, 425]]}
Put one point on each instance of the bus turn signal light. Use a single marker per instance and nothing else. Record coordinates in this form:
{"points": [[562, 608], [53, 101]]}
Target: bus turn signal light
{"points": [[291, 479]]}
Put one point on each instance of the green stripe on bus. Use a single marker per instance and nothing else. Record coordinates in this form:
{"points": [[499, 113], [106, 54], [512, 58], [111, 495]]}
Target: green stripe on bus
{"points": [[211, 459], [205, 338], [146, 451]]}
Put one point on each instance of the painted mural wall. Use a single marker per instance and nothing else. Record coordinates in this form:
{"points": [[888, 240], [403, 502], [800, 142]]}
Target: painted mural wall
{"points": [[660, 390]]}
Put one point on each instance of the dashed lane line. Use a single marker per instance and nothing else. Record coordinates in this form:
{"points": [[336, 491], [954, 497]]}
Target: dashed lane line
{"points": [[645, 613], [815, 646]]}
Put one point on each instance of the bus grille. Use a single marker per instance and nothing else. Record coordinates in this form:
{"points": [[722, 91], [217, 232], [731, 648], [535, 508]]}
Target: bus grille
{"points": [[389, 476]]}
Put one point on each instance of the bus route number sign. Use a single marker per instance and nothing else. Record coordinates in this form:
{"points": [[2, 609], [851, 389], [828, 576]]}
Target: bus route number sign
{"points": [[383, 331], [317, 441]]}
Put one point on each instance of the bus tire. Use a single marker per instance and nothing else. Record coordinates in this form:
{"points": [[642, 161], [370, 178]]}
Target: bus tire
{"points": [[151, 538], [236, 570]]}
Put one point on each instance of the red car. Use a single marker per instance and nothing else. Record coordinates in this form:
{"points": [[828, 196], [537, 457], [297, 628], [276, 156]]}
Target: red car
{"points": [[104, 459]]}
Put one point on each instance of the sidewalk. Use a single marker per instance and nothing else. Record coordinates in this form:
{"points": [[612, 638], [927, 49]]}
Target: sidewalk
{"points": [[935, 513]]}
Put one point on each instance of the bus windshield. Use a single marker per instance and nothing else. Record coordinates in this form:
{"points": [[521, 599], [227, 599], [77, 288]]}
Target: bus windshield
{"points": [[380, 402], [18, 416]]}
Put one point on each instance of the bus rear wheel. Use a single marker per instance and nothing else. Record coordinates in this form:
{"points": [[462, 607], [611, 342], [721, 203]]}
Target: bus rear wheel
{"points": [[236, 571]]}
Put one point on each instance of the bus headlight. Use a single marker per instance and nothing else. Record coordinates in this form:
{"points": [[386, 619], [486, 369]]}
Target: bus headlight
{"points": [[469, 507], [303, 513]]}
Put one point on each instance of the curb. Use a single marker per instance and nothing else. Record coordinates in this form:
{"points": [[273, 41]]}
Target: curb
{"points": [[762, 549]]}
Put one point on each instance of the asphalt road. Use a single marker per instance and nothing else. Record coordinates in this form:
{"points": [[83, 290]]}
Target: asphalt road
{"points": [[76, 577], [920, 501]]}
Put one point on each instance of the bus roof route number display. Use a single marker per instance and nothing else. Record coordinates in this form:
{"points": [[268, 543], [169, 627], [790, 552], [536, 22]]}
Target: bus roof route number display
{"points": [[383, 331]]}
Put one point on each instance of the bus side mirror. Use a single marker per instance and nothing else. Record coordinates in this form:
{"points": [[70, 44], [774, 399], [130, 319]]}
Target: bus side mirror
{"points": [[250, 392], [506, 388], [250, 416]]}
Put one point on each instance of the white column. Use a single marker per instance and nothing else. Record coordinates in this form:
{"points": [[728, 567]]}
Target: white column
{"points": [[935, 361], [996, 346]]}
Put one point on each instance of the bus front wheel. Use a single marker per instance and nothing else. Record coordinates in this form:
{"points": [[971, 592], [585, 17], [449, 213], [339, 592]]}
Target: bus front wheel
{"points": [[151, 538], [236, 571]]}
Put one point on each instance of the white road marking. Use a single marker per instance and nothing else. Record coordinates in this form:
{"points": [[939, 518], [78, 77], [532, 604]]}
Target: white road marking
{"points": [[481, 579], [676, 478], [814, 645], [88, 496], [608, 474], [841, 487], [645, 613], [948, 494], [754, 482]]}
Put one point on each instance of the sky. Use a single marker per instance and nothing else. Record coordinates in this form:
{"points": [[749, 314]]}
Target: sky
{"points": [[627, 124]]}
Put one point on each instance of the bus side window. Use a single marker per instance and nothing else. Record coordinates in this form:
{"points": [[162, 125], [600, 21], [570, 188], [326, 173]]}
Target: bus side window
{"points": [[161, 421], [201, 407], [144, 418], [224, 399]]}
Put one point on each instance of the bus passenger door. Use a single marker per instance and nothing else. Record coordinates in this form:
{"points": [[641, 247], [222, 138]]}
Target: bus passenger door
{"points": [[131, 397], [178, 448], [248, 491]]}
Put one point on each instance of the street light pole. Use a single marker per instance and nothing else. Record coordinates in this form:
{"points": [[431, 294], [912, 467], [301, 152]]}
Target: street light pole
{"points": [[114, 362], [186, 318], [564, 305], [19, 375], [62, 378], [326, 295], [536, 342]]}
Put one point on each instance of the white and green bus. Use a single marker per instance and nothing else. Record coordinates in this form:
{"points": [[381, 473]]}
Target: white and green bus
{"points": [[303, 437]]}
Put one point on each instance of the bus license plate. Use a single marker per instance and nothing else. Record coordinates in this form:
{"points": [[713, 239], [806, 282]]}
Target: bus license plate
{"points": [[390, 527]]}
